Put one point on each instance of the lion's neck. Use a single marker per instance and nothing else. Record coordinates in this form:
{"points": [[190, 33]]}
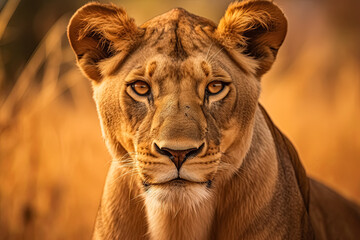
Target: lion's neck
{"points": [[263, 198], [243, 198], [183, 222]]}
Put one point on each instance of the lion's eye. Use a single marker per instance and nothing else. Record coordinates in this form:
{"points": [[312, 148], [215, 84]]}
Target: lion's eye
{"points": [[215, 87], [140, 87]]}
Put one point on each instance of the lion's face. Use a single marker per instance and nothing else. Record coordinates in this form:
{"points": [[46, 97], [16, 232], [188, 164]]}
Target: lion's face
{"points": [[176, 118], [176, 97]]}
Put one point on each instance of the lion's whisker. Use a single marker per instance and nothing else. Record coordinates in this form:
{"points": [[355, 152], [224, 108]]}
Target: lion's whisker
{"points": [[207, 54], [214, 55]]}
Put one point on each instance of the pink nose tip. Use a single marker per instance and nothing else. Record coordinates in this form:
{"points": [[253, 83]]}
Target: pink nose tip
{"points": [[178, 157]]}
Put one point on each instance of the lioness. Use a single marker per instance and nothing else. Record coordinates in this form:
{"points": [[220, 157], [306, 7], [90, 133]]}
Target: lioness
{"points": [[195, 156]]}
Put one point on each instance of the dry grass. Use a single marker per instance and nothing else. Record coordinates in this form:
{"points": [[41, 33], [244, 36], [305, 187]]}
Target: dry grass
{"points": [[52, 158], [53, 161]]}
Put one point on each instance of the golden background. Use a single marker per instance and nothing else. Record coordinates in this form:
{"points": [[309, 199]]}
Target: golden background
{"points": [[53, 161]]}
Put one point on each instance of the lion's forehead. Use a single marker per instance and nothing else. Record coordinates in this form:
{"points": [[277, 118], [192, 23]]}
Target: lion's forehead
{"points": [[162, 66], [178, 34]]}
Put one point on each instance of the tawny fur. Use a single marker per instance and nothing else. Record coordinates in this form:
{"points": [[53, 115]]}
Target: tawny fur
{"points": [[246, 181]]}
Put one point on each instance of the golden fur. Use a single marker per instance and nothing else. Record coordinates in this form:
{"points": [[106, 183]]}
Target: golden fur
{"points": [[188, 164]]}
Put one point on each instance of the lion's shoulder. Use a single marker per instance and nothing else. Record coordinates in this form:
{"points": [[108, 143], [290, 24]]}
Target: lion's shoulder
{"points": [[332, 216], [288, 155]]}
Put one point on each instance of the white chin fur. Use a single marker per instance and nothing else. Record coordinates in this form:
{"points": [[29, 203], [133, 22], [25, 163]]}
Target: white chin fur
{"points": [[173, 197]]}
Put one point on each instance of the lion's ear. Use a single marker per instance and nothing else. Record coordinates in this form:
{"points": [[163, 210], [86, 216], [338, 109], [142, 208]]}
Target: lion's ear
{"points": [[256, 28], [98, 31]]}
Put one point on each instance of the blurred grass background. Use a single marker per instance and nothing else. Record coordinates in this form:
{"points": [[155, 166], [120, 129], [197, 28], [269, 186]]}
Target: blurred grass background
{"points": [[53, 161]]}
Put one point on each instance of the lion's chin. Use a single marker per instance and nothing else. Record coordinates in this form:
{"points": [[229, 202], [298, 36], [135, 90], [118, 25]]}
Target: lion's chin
{"points": [[176, 192]]}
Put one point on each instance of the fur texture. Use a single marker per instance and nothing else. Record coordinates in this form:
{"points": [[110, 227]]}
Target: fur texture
{"points": [[236, 176]]}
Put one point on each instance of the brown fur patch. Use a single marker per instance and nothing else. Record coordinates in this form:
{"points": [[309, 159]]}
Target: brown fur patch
{"points": [[205, 67], [151, 69]]}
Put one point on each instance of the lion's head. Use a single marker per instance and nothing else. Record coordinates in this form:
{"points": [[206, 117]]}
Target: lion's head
{"points": [[177, 95]]}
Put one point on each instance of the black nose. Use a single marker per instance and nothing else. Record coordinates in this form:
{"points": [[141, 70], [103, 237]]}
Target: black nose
{"points": [[178, 157]]}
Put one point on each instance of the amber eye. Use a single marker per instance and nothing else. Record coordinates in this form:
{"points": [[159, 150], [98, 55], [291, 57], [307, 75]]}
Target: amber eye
{"points": [[215, 87], [140, 87]]}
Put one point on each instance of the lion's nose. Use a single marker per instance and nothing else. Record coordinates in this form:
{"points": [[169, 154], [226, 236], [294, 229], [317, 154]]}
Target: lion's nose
{"points": [[178, 157]]}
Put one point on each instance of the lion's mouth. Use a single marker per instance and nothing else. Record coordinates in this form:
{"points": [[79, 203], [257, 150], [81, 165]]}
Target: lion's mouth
{"points": [[177, 182]]}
